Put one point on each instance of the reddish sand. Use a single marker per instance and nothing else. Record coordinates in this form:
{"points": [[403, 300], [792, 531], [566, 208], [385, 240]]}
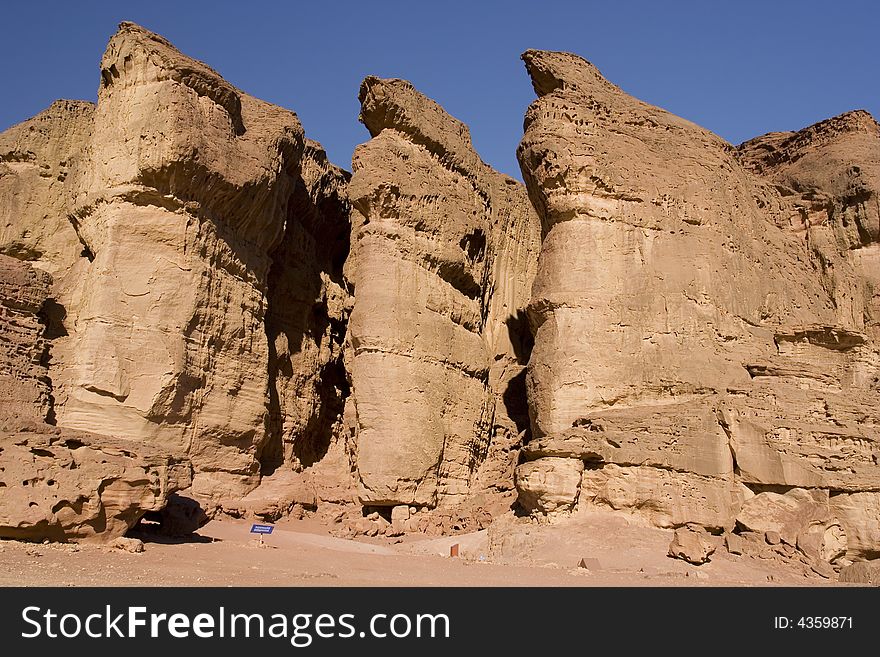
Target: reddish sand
{"points": [[302, 553]]}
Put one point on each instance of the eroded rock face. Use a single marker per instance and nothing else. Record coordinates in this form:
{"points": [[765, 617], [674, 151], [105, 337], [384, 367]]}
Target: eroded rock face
{"points": [[196, 241], [183, 200], [443, 254], [692, 544], [25, 388], [178, 271], [700, 310], [549, 485], [39, 159], [59, 484], [830, 175]]}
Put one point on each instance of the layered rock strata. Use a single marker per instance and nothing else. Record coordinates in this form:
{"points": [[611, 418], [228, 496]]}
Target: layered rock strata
{"points": [[703, 314], [58, 484], [176, 216], [443, 255], [25, 387]]}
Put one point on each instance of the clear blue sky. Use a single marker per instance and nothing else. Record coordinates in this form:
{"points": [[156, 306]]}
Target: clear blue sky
{"points": [[738, 68]]}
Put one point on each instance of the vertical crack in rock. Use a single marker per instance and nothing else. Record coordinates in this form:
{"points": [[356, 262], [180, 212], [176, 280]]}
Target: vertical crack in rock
{"points": [[443, 255], [308, 308]]}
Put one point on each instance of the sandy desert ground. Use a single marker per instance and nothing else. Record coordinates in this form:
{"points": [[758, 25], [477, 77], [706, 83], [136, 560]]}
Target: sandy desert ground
{"points": [[303, 553]]}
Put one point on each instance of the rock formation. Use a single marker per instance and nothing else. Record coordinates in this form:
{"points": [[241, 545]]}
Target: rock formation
{"points": [[25, 388], [59, 484], [196, 240], [443, 255], [703, 315], [194, 299]]}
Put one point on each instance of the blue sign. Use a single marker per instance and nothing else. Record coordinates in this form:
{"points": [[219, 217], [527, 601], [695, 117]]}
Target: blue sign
{"points": [[262, 529]]}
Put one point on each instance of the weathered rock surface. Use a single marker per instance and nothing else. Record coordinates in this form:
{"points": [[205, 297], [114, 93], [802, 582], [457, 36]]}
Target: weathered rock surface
{"points": [[829, 173], [196, 240], [693, 544], [178, 271], [702, 314], [549, 484], [39, 159], [785, 515], [25, 388], [859, 516], [278, 494], [443, 255], [58, 484], [864, 572], [183, 200], [666, 498]]}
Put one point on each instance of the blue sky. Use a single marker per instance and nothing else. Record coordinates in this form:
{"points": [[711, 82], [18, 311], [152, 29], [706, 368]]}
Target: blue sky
{"points": [[738, 68]]}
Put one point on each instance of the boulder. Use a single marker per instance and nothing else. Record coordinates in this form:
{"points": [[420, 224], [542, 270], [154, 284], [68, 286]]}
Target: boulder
{"points": [[400, 516], [692, 544], [786, 516], [734, 544], [61, 486], [133, 545], [859, 516], [549, 485]]}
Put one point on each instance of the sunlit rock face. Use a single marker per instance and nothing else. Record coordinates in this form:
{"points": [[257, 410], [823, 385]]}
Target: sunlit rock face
{"points": [[173, 216], [443, 255], [703, 315]]}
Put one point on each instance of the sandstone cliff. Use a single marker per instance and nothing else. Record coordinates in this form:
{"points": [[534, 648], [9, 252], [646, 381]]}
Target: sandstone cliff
{"points": [[193, 297], [443, 256], [692, 345], [177, 216]]}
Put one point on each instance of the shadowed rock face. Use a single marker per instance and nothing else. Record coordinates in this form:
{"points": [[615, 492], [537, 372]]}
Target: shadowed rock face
{"points": [[173, 216], [443, 254], [699, 310], [25, 388]]}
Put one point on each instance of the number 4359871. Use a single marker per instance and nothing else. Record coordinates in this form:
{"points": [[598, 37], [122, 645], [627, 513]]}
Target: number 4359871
{"points": [[813, 622]]}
